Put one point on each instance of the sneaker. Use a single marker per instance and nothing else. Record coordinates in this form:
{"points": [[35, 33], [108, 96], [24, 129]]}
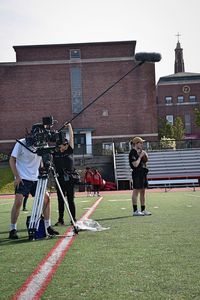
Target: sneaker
{"points": [[146, 213], [138, 213], [13, 235], [60, 223], [51, 231]]}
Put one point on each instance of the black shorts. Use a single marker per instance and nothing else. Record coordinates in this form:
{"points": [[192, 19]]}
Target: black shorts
{"points": [[139, 180], [26, 188]]}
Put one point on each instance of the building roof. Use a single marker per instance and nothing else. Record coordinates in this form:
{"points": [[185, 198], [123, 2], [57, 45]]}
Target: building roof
{"points": [[179, 77], [74, 44]]}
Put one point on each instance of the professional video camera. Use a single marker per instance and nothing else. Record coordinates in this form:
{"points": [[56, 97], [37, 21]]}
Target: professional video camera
{"points": [[41, 134]]}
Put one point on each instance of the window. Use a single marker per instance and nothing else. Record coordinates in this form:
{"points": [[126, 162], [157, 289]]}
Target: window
{"points": [[192, 99], [75, 54], [125, 146], [170, 119], [187, 124], [76, 90], [168, 100], [107, 148], [180, 99], [105, 113]]}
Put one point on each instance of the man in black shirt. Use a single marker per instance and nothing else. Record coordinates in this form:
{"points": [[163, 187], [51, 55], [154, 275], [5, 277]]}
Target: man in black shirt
{"points": [[63, 162], [137, 161]]}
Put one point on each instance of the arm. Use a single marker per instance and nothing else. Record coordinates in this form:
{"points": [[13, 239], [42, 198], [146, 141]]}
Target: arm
{"points": [[12, 162], [71, 135], [137, 162]]}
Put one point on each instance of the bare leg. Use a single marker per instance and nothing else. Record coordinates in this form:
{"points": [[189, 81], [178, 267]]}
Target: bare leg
{"points": [[16, 208], [142, 197], [46, 207], [135, 196]]}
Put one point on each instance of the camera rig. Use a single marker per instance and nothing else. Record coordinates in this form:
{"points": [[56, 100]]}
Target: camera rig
{"points": [[37, 142], [41, 134]]}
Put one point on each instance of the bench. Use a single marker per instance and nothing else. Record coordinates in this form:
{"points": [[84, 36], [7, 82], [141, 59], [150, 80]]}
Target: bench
{"points": [[168, 182], [173, 168]]}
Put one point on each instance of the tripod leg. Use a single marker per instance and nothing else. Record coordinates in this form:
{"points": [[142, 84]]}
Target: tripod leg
{"points": [[38, 203], [35, 204], [65, 201]]}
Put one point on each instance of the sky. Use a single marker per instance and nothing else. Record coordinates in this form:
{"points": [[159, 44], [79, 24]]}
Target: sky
{"points": [[153, 24]]}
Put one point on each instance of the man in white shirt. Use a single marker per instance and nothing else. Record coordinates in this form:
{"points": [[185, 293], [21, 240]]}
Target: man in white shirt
{"points": [[25, 167]]}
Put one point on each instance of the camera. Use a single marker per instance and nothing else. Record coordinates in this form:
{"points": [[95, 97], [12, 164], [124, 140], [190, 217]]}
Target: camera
{"points": [[41, 134]]}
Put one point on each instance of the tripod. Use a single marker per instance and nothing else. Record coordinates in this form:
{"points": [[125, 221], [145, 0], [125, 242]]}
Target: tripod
{"points": [[39, 197]]}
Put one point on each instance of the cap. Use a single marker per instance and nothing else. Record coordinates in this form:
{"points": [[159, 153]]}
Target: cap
{"points": [[137, 139]]}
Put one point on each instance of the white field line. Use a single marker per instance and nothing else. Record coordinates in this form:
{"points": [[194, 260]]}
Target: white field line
{"points": [[35, 285], [119, 200]]}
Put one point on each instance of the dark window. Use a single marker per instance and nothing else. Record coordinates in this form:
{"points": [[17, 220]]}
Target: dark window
{"points": [[76, 90], [80, 144], [168, 99], [170, 119], [180, 99], [188, 129], [75, 54], [192, 98]]}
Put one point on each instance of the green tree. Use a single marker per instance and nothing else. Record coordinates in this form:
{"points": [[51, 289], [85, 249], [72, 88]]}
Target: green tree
{"points": [[165, 129], [178, 129], [197, 116]]}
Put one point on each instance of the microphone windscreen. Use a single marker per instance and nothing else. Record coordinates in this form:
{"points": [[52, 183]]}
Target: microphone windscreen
{"points": [[148, 57]]}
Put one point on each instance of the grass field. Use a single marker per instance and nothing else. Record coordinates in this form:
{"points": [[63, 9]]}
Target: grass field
{"points": [[155, 257], [6, 180]]}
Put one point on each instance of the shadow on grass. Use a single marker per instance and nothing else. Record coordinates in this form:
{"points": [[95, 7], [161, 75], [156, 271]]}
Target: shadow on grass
{"points": [[115, 218], [25, 239], [5, 241]]}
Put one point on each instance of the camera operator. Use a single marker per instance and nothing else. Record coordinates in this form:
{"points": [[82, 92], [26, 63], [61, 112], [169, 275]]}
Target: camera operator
{"points": [[25, 167], [63, 162]]}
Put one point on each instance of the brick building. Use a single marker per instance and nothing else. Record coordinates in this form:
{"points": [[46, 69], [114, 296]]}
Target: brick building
{"points": [[178, 95], [60, 80]]}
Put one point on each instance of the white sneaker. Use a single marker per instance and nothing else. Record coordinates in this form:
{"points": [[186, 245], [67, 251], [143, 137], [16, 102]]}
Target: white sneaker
{"points": [[146, 213], [138, 213]]}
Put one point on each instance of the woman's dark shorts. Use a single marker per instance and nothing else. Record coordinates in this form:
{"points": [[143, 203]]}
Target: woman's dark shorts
{"points": [[139, 180]]}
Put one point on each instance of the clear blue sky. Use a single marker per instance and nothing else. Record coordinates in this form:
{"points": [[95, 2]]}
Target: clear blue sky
{"points": [[152, 23]]}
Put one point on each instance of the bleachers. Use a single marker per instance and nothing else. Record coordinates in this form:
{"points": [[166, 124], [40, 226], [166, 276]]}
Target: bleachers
{"points": [[173, 167]]}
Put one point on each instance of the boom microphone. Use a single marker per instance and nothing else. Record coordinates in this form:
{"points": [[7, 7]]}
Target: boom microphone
{"points": [[148, 57], [140, 58]]}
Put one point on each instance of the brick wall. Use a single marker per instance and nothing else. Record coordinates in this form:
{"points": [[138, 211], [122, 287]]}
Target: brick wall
{"points": [[31, 91], [174, 90]]}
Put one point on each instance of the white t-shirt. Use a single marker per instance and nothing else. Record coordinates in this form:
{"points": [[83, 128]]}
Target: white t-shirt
{"points": [[27, 163]]}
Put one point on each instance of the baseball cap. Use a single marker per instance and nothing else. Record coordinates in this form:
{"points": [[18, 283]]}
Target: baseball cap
{"points": [[137, 139]]}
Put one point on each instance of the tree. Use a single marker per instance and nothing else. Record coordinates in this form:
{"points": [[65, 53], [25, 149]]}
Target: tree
{"points": [[178, 129], [165, 129], [170, 131], [197, 116]]}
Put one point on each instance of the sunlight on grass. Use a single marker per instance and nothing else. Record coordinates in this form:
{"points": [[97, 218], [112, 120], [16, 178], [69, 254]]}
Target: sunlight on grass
{"points": [[155, 257]]}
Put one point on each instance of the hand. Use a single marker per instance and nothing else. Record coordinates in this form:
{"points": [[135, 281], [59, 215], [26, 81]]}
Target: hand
{"points": [[17, 181], [67, 125], [142, 153]]}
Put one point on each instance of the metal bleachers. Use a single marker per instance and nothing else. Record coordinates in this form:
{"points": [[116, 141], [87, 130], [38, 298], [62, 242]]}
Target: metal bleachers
{"points": [[165, 167]]}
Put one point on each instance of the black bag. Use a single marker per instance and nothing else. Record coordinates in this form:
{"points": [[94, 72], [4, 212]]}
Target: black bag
{"points": [[74, 177]]}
